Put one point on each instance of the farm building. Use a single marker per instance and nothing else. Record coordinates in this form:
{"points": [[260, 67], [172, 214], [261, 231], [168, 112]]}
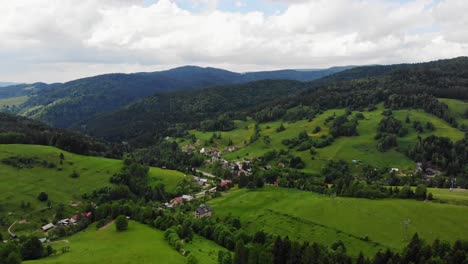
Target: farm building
{"points": [[47, 227], [177, 200], [203, 211], [187, 198], [63, 221], [225, 183]]}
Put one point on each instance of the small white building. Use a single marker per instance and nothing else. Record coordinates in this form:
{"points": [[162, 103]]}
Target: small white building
{"points": [[395, 170], [187, 198], [202, 151], [63, 221], [47, 227]]}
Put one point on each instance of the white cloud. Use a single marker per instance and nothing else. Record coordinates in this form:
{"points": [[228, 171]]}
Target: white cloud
{"points": [[61, 40]]}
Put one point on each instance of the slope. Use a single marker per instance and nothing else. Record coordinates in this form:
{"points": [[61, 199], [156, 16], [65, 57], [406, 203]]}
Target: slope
{"points": [[27, 170], [362, 224]]}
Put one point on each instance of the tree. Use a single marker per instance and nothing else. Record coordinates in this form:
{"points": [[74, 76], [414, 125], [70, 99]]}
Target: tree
{"points": [[43, 196], [75, 174], [121, 223], [224, 257], [31, 249], [241, 253], [280, 128], [420, 192]]}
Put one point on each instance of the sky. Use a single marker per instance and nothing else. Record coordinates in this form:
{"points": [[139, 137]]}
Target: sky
{"points": [[61, 40]]}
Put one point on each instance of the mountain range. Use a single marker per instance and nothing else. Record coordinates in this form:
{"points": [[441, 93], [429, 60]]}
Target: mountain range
{"points": [[69, 104]]}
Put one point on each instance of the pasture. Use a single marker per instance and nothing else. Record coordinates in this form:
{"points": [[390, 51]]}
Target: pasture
{"points": [[362, 224], [361, 147], [139, 244]]}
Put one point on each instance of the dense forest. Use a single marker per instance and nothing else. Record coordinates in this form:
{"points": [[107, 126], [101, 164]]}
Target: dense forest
{"points": [[67, 104], [20, 130]]}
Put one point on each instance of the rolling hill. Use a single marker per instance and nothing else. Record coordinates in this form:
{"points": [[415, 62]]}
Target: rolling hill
{"points": [[363, 224], [142, 244], [31, 169]]}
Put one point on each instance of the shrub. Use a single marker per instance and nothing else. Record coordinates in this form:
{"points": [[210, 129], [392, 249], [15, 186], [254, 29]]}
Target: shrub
{"points": [[121, 223], [75, 174], [43, 196]]}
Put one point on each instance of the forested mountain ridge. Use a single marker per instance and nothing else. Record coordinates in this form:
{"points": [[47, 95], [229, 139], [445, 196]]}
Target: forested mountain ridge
{"points": [[67, 104], [173, 113], [179, 111], [21, 130], [20, 89]]}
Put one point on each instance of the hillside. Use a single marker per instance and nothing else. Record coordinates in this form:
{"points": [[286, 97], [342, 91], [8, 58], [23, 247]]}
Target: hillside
{"points": [[21, 130], [442, 79], [363, 225], [69, 104], [31, 169], [154, 116], [142, 244]]}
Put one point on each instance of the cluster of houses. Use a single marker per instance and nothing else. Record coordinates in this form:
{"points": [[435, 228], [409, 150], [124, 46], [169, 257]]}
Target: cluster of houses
{"points": [[64, 222]]}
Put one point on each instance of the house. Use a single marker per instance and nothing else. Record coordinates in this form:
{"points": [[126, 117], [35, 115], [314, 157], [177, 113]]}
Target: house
{"points": [[88, 214], [187, 198], [200, 181], [74, 219], [63, 221], [202, 151], [225, 183], [203, 211], [47, 227], [394, 170], [177, 200]]}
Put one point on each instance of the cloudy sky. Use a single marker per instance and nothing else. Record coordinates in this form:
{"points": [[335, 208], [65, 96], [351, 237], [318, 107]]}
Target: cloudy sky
{"points": [[60, 40]]}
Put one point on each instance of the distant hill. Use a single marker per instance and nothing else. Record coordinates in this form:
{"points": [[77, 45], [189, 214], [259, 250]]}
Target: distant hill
{"points": [[68, 104], [3, 84], [20, 89]]}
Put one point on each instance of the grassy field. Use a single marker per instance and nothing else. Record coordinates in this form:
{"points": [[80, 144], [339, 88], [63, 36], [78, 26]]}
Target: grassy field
{"points": [[12, 101], [26, 183], [139, 244], [455, 196], [312, 217], [457, 108], [361, 147]]}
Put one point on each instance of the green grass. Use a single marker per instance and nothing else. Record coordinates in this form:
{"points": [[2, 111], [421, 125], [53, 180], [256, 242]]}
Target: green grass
{"points": [[361, 147], [139, 244], [170, 178], [13, 101], [457, 108], [206, 251], [456, 196], [25, 184], [308, 216]]}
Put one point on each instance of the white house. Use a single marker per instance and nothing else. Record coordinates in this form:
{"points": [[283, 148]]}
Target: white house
{"points": [[187, 198], [47, 227]]}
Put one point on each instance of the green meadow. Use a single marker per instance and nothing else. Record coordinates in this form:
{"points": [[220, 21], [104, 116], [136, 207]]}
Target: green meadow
{"points": [[12, 101], [457, 108], [362, 224], [361, 147], [138, 244], [24, 184]]}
